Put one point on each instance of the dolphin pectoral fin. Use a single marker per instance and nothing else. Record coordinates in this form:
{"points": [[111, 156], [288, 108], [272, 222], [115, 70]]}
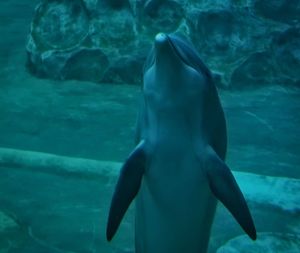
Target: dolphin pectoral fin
{"points": [[225, 188], [126, 189]]}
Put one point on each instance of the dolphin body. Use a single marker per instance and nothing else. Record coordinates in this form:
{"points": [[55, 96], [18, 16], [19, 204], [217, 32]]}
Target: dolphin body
{"points": [[177, 171]]}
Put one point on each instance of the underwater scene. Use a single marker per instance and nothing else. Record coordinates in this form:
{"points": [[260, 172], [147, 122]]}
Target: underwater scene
{"points": [[150, 126]]}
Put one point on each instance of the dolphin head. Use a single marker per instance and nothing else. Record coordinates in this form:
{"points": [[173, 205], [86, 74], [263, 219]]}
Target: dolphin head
{"points": [[165, 51], [173, 50]]}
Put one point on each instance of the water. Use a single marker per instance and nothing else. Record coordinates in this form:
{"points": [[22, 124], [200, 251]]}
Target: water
{"points": [[51, 201]]}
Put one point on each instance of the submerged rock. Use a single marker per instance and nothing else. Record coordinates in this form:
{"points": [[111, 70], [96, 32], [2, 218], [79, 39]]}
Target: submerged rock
{"points": [[286, 50], [69, 41], [248, 43], [86, 64], [287, 11], [58, 29], [60, 24], [253, 71], [266, 242]]}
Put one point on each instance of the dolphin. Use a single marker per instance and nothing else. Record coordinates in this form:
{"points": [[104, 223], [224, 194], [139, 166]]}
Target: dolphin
{"points": [[177, 171]]}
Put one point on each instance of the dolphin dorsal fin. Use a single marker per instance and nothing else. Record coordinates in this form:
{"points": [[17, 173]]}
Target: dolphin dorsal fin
{"points": [[127, 188], [225, 188]]}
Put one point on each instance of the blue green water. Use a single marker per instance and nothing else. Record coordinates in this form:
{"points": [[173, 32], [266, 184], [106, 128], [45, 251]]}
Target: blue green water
{"points": [[52, 202]]}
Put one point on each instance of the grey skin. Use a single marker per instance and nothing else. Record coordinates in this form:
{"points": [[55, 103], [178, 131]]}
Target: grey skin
{"points": [[177, 171]]}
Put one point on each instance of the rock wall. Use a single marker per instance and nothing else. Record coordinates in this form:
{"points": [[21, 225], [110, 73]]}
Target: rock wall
{"points": [[245, 43]]}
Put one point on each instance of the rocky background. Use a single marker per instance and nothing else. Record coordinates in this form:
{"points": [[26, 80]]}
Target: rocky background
{"points": [[246, 43], [51, 201]]}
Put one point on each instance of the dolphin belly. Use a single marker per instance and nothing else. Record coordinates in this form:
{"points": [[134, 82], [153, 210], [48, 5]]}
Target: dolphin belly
{"points": [[174, 215]]}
